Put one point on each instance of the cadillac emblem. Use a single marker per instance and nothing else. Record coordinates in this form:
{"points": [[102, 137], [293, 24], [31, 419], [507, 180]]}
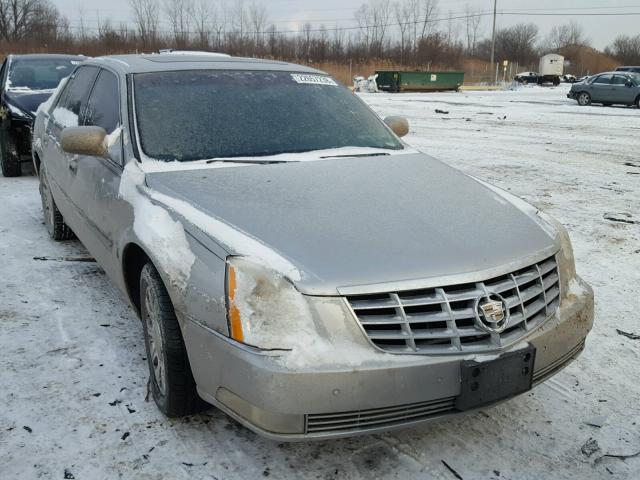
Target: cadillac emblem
{"points": [[492, 314]]}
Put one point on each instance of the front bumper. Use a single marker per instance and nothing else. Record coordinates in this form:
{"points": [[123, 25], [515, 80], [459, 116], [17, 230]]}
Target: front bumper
{"points": [[572, 95], [383, 392]]}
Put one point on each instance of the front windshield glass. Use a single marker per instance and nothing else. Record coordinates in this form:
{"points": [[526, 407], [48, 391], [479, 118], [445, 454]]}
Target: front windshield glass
{"points": [[38, 74], [196, 115]]}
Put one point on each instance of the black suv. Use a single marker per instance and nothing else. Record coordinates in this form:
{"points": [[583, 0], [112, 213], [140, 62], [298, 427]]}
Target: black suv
{"points": [[26, 81], [628, 69]]}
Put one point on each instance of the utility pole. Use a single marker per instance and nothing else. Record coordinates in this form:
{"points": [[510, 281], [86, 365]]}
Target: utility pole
{"points": [[493, 39]]}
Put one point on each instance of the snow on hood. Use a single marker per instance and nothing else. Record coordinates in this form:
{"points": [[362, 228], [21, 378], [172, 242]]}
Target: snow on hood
{"points": [[26, 102], [151, 165], [155, 228], [233, 238]]}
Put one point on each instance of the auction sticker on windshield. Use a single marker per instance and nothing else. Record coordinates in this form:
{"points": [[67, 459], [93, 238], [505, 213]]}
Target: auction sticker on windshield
{"points": [[314, 79]]}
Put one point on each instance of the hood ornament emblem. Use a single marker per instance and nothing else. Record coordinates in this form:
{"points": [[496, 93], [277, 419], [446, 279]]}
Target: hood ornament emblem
{"points": [[492, 314]]}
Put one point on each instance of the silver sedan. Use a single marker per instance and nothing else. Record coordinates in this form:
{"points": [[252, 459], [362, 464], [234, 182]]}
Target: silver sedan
{"points": [[294, 263]]}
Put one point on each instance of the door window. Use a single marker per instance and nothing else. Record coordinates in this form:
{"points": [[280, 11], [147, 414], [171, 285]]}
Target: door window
{"points": [[2, 70], [74, 98], [603, 79], [103, 107], [619, 80]]}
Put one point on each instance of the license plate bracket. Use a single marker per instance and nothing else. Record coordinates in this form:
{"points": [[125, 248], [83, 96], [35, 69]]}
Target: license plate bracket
{"points": [[484, 383]]}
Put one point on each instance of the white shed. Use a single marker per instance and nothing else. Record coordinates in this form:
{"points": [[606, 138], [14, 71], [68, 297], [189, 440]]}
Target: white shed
{"points": [[552, 65]]}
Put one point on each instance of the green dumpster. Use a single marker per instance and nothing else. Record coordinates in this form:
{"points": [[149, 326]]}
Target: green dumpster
{"points": [[418, 81]]}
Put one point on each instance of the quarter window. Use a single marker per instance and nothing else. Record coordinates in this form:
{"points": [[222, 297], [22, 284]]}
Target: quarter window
{"points": [[103, 108], [74, 98]]}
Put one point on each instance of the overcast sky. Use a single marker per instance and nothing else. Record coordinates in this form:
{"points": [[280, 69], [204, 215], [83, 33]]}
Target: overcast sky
{"points": [[290, 14]]}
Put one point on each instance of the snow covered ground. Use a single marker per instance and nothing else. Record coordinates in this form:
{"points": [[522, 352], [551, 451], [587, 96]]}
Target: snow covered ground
{"points": [[73, 374]]}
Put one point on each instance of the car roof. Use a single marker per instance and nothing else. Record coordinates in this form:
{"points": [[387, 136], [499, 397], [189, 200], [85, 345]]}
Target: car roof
{"points": [[46, 56], [164, 62], [615, 72]]}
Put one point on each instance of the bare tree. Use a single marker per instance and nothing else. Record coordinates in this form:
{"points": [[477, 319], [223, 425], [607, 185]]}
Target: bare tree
{"points": [[567, 35], [20, 18], [402, 15], [517, 43], [146, 15], [179, 13], [626, 49], [203, 20], [428, 13], [258, 22], [473, 23], [373, 21]]}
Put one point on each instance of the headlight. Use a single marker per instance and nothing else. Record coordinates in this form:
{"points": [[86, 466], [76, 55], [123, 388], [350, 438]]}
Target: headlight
{"points": [[566, 262], [264, 308]]}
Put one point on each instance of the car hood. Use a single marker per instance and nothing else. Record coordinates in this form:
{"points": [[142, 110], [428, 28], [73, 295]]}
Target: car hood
{"points": [[365, 221], [27, 101]]}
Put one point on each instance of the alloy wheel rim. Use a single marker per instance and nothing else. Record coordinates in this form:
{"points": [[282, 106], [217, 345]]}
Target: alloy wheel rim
{"points": [[156, 347]]}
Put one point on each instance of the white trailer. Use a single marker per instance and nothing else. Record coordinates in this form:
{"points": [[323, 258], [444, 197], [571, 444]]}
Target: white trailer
{"points": [[551, 69]]}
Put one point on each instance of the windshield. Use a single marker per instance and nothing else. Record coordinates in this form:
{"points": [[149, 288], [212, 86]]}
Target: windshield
{"points": [[196, 115], [38, 74]]}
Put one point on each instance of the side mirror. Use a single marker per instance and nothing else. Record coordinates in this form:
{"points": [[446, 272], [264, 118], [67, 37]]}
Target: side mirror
{"points": [[84, 141], [399, 125], [629, 83]]}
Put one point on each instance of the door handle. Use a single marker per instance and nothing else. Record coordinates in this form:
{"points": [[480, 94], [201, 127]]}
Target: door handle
{"points": [[73, 165]]}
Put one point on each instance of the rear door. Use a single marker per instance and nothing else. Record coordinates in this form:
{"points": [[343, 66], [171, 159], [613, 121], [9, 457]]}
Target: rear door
{"points": [[621, 92], [59, 165], [96, 180]]}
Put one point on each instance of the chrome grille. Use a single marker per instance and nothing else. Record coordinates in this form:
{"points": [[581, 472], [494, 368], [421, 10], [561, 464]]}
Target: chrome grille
{"points": [[378, 417], [442, 320]]}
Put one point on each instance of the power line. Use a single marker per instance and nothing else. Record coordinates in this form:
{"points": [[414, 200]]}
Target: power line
{"points": [[528, 12]]}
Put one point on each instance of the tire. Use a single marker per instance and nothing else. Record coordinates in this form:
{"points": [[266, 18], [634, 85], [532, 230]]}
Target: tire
{"points": [[606, 104], [637, 102], [170, 378], [10, 162], [584, 99], [53, 219]]}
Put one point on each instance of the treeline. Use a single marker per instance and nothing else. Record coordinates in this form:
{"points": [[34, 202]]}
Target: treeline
{"points": [[402, 32]]}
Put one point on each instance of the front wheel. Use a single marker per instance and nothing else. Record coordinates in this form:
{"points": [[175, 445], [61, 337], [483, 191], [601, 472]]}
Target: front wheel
{"points": [[9, 161], [584, 99], [637, 103], [171, 381]]}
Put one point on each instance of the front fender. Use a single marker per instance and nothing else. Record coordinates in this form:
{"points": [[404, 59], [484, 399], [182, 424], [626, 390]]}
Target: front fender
{"points": [[201, 298]]}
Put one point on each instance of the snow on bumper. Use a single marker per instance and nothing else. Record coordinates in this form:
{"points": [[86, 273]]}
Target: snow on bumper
{"points": [[388, 391]]}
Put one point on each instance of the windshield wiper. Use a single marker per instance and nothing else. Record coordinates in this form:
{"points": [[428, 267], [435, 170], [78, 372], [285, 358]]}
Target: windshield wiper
{"points": [[376, 154], [256, 162]]}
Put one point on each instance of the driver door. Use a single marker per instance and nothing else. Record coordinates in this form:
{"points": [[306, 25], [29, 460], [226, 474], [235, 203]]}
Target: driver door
{"points": [[96, 180], [60, 166], [601, 89]]}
